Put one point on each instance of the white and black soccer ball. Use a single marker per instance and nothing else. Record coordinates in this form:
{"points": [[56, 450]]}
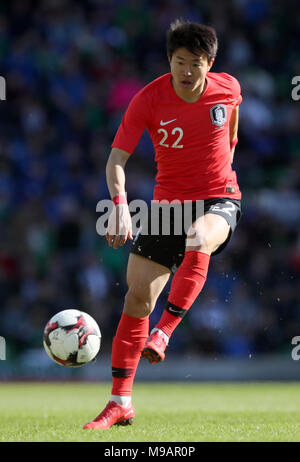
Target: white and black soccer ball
{"points": [[72, 338]]}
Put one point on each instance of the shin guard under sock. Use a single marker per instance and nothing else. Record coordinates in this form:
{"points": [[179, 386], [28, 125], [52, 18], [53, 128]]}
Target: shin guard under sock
{"points": [[127, 345], [187, 283]]}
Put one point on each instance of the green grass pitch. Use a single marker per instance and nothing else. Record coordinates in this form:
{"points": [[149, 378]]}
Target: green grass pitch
{"points": [[165, 412]]}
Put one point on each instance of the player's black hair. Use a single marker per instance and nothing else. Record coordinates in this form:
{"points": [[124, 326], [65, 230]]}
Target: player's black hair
{"points": [[197, 38]]}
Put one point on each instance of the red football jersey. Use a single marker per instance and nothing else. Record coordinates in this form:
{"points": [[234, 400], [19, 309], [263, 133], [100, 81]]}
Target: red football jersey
{"points": [[191, 140]]}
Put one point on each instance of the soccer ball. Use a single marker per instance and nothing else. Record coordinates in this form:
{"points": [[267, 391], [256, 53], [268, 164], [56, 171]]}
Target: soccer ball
{"points": [[72, 338]]}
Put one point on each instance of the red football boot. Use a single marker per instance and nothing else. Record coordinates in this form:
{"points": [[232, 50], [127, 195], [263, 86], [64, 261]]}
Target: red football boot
{"points": [[113, 414], [155, 346]]}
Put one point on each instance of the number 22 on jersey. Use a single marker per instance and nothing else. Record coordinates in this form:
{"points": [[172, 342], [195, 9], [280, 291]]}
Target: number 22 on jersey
{"points": [[166, 136]]}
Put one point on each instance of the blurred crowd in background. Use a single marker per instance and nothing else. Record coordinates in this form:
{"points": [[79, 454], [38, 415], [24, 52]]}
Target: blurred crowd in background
{"points": [[71, 68]]}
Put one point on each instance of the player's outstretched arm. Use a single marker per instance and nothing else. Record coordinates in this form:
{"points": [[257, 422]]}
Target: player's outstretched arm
{"points": [[119, 227], [233, 130]]}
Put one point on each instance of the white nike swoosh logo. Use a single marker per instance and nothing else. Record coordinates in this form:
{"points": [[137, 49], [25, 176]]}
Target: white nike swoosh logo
{"points": [[166, 123], [174, 311]]}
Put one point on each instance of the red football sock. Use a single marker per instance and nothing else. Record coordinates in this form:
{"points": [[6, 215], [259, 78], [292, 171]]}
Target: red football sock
{"points": [[187, 283], [127, 346]]}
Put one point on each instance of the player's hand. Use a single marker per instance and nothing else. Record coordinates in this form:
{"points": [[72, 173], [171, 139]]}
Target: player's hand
{"points": [[119, 227]]}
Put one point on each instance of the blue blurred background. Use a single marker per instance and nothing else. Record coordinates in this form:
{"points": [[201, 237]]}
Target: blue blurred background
{"points": [[71, 69]]}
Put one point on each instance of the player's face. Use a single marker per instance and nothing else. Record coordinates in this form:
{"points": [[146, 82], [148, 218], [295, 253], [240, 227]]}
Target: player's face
{"points": [[188, 73]]}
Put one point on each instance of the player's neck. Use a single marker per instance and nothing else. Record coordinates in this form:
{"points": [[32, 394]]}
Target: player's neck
{"points": [[187, 95]]}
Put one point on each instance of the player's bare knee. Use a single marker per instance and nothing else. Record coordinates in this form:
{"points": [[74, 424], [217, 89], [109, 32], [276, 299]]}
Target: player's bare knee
{"points": [[202, 243], [137, 303], [197, 240]]}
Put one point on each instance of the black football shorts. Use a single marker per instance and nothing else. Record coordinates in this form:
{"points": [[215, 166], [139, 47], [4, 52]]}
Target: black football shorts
{"points": [[168, 248]]}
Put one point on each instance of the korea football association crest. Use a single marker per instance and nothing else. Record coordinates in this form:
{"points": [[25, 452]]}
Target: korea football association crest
{"points": [[218, 114]]}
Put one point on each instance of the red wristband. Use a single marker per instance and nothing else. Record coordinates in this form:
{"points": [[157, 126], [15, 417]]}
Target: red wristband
{"points": [[119, 200], [233, 143]]}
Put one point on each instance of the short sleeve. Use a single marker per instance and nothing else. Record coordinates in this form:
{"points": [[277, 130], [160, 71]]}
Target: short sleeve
{"points": [[236, 90], [133, 124], [233, 88]]}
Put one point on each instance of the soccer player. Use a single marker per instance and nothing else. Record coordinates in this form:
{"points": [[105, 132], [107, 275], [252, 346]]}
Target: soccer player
{"points": [[192, 117]]}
